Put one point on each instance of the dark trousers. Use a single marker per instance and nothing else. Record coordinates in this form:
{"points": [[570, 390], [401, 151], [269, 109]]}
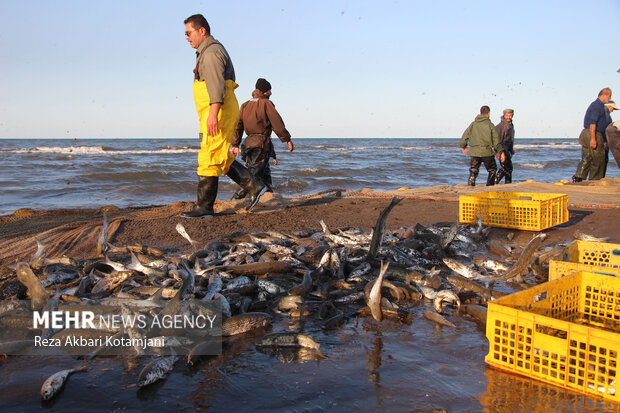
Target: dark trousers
{"points": [[505, 169], [257, 160], [474, 168], [592, 160]]}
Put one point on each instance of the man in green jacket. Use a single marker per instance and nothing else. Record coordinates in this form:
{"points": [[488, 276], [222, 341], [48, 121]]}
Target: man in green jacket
{"points": [[484, 143]]}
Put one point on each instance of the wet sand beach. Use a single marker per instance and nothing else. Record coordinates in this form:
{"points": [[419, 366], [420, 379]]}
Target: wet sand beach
{"points": [[370, 365]]}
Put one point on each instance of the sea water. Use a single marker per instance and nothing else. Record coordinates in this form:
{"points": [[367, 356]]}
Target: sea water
{"points": [[74, 173]]}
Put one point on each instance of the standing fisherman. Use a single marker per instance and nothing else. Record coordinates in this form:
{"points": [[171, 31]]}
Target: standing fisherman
{"points": [[506, 133], [483, 141], [592, 139], [257, 119], [218, 112]]}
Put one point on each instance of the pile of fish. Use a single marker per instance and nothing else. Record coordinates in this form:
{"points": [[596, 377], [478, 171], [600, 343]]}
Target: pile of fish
{"points": [[330, 275]]}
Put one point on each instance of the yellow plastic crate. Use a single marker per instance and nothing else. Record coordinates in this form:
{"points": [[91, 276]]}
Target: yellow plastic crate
{"points": [[599, 257], [565, 332], [518, 210]]}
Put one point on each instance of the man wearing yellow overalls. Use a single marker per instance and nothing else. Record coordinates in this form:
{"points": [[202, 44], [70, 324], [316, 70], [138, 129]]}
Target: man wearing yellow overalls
{"points": [[218, 113]]}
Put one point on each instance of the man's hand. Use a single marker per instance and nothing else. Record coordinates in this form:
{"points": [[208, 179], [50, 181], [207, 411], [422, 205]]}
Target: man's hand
{"points": [[235, 150], [212, 122], [593, 143], [502, 157], [290, 146], [465, 150], [592, 136], [275, 162]]}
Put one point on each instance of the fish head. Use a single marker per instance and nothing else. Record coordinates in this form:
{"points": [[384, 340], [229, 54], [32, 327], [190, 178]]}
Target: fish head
{"points": [[47, 394]]}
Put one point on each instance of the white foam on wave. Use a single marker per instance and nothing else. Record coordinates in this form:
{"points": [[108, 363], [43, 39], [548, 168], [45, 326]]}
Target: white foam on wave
{"points": [[533, 165], [93, 150], [559, 145], [373, 148]]}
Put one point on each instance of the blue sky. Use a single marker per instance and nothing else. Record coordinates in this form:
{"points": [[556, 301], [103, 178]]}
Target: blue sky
{"points": [[338, 68]]}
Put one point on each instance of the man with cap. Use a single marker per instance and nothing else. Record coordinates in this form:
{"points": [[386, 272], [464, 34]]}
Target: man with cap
{"points": [[218, 112], [506, 133], [258, 117], [592, 139]]}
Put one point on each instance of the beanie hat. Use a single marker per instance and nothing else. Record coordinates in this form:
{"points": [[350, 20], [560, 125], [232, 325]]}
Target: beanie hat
{"points": [[263, 85]]}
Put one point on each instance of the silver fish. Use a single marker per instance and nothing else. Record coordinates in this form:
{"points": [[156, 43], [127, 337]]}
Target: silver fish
{"points": [[157, 369], [582, 236], [448, 236], [136, 265], [54, 383], [224, 305], [437, 318], [110, 282], [271, 287], [242, 323], [467, 272], [290, 340], [489, 264], [445, 296], [215, 286], [117, 266], [103, 238], [374, 297], [38, 258], [181, 230], [359, 271], [324, 227], [280, 250], [132, 330]]}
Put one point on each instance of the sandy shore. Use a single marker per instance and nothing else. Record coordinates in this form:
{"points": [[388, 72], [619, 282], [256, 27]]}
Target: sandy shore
{"points": [[594, 208]]}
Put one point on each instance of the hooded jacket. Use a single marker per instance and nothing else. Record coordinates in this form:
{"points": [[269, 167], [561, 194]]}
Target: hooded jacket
{"points": [[482, 137]]}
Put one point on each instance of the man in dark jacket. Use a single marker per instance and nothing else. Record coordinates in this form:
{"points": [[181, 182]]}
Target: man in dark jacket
{"points": [[506, 132], [483, 141], [258, 117]]}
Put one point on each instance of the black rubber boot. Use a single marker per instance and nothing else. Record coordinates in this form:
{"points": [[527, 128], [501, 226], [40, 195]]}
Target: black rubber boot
{"points": [[252, 186], [491, 178], [500, 174], [240, 194], [508, 177], [206, 194], [472, 179]]}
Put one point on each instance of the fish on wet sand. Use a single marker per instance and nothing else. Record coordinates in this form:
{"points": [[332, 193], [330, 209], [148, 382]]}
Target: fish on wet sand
{"points": [[290, 340], [437, 318], [446, 296], [54, 383], [242, 323], [477, 312], [582, 236], [157, 369]]}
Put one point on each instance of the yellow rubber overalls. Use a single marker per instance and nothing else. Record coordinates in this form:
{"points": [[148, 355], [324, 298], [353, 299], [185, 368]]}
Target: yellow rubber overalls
{"points": [[215, 158]]}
